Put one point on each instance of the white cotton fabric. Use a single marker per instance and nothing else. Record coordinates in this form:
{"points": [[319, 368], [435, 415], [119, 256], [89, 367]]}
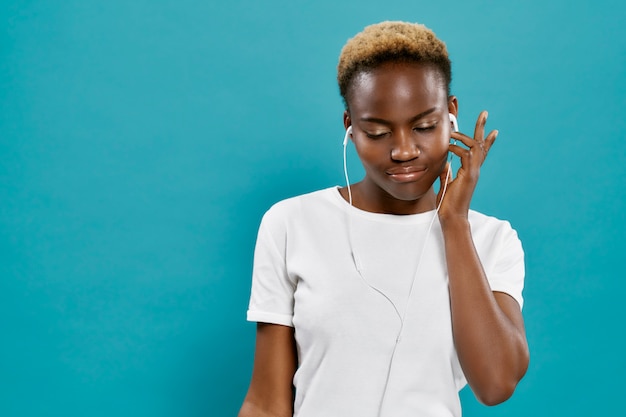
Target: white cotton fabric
{"points": [[305, 276]]}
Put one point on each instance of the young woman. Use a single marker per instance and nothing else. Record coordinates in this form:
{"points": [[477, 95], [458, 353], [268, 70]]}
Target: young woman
{"points": [[383, 298]]}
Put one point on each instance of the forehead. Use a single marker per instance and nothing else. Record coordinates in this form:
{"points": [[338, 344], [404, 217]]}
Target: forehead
{"points": [[393, 86]]}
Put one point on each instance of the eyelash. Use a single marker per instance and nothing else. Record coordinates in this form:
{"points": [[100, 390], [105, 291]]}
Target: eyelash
{"points": [[425, 129], [375, 136], [418, 129]]}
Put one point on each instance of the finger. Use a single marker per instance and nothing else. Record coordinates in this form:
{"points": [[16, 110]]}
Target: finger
{"points": [[462, 153], [465, 140], [479, 130], [491, 138], [458, 150]]}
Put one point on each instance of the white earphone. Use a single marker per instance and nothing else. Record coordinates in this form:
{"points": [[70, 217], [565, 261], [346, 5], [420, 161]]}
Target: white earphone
{"points": [[345, 165], [348, 133], [357, 263], [401, 315], [455, 123]]}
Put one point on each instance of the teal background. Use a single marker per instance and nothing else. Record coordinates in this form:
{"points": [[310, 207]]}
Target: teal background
{"points": [[141, 142]]}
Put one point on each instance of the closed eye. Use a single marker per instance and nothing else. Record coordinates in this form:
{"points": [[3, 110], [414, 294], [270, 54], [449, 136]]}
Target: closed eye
{"points": [[424, 128], [376, 135]]}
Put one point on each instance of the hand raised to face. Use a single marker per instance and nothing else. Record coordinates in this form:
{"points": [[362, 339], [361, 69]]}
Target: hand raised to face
{"points": [[459, 191]]}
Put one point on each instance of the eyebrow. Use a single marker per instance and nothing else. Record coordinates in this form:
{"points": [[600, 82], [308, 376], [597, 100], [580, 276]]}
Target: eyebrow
{"points": [[387, 122]]}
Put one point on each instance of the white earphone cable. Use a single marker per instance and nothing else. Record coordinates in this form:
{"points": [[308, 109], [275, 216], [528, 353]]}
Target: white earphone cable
{"points": [[358, 267], [345, 165]]}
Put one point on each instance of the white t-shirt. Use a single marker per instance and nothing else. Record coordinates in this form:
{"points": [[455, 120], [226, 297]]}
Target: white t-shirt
{"points": [[346, 323]]}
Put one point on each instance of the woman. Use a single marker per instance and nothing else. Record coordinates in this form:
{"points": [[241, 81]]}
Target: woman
{"points": [[384, 298]]}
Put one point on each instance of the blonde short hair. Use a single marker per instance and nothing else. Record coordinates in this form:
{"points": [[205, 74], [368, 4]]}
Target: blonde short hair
{"points": [[391, 42]]}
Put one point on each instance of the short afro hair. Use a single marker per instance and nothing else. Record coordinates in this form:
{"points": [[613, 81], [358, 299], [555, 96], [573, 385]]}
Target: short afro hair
{"points": [[391, 42]]}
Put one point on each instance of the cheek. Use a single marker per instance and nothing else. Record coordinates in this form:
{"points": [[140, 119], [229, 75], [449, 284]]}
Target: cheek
{"points": [[443, 148], [371, 153], [436, 148]]}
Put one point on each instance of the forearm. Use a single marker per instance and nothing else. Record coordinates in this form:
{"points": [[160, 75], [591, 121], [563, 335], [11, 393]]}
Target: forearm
{"points": [[275, 361], [491, 345], [251, 409]]}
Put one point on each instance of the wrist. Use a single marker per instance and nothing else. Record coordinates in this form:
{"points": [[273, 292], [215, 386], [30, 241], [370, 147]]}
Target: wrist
{"points": [[454, 223]]}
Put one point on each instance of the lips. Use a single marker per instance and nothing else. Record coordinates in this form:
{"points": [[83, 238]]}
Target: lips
{"points": [[406, 174]]}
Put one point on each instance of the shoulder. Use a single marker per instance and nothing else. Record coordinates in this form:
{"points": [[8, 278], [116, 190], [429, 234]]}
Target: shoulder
{"points": [[501, 254], [488, 230], [302, 212], [301, 206], [484, 223], [301, 215]]}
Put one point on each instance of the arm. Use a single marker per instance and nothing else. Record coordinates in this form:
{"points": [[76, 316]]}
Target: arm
{"points": [[487, 326], [275, 361]]}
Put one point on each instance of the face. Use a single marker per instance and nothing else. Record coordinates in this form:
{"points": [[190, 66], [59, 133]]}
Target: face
{"points": [[401, 131]]}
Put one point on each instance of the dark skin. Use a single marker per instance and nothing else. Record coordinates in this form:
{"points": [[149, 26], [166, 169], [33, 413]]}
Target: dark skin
{"points": [[275, 361], [401, 130]]}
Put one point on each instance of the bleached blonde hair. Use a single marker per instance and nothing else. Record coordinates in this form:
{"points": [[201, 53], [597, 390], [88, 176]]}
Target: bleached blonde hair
{"points": [[391, 41]]}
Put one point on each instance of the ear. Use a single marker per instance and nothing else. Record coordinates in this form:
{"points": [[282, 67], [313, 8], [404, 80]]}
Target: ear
{"points": [[347, 122], [453, 105]]}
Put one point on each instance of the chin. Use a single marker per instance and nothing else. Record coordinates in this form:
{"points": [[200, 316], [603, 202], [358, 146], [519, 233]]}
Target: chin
{"points": [[408, 192]]}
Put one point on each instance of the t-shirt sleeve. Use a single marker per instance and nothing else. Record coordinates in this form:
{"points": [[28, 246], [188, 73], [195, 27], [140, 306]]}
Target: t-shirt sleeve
{"points": [[507, 273], [271, 298]]}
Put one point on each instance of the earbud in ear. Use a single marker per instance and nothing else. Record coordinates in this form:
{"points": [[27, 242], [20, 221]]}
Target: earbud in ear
{"points": [[348, 134], [455, 123]]}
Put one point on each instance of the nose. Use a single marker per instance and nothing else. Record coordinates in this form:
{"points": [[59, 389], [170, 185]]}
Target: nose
{"points": [[404, 146]]}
